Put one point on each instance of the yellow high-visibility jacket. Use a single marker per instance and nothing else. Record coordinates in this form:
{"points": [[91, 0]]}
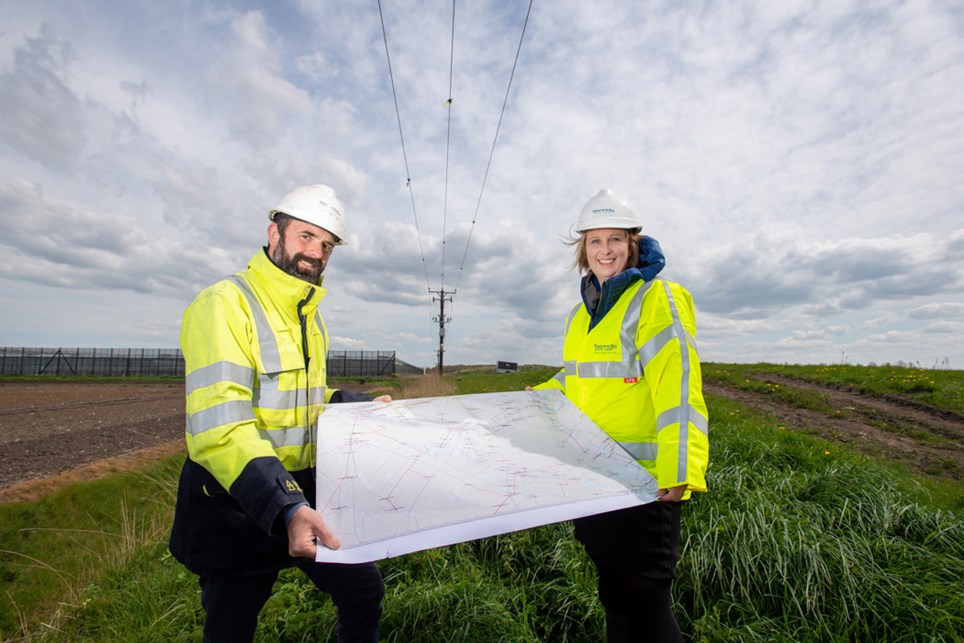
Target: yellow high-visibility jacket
{"points": [[636, 374], [255, 350]]}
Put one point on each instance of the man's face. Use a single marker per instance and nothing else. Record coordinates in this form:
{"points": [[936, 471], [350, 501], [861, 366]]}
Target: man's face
{"points": [[302, 251]]}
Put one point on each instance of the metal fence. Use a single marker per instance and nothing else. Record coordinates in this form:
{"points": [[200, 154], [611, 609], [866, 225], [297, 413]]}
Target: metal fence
{"points": [[118, 362], [361, 363], [133, 362]]}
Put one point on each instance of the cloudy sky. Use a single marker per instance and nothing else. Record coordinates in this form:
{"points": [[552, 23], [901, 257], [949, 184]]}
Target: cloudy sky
{"points": [[800, 162]]}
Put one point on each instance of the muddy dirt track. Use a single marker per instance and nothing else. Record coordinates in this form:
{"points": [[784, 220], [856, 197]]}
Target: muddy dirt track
{"points": [[926, 439], [57, 432]]}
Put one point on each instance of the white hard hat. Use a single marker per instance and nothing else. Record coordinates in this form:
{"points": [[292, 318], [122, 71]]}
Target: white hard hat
{"points": [[316, 204], [607, 210]]}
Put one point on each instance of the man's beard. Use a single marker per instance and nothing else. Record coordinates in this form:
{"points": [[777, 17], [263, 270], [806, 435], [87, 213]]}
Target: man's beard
{"points": [[292, 265]]}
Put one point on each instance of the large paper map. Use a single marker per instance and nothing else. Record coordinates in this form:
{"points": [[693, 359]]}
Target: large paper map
{"points": [[415, 474]]}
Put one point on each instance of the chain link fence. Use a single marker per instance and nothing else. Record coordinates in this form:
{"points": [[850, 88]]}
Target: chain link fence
{"points": [[141, 362]]}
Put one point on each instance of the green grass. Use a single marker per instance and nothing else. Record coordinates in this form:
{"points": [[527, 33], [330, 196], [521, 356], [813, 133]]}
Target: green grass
{"points": [[798, 540], [50, 549], [490, 382], [802, 540]]}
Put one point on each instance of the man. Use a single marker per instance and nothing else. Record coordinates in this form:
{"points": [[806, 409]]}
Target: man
{"points": [[254, 347]]}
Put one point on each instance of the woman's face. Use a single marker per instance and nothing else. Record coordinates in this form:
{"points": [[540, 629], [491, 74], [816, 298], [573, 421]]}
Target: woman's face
{"points": [[607, 250]]}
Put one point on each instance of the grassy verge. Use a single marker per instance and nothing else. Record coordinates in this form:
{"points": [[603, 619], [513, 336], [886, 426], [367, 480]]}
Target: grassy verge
{"points": [[799, 539], [52, 549]]}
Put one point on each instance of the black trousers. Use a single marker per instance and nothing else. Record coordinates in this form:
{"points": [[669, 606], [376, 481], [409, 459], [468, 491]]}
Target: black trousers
{"points": [[635, 551], [232, 604]]}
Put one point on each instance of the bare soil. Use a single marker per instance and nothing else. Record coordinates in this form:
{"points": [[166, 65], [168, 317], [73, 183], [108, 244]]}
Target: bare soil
{"points": [[54, 433], [59, 432], [926, 439]]}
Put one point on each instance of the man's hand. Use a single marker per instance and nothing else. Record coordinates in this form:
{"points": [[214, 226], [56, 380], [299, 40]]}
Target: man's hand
{"points": [[383, 398], [306, 530], [673, 494]]}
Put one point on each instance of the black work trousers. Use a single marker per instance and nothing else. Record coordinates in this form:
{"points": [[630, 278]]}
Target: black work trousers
{"points": [[635, 551], [232, 604]]}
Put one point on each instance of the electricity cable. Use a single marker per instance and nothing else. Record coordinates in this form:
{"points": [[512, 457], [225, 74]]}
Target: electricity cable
{"points": [[494, 140], [488, 165], [398, 116], [448, 139]]}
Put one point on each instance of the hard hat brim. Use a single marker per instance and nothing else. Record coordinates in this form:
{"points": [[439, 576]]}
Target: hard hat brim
{"points": [[339, 242], [618, 223]]}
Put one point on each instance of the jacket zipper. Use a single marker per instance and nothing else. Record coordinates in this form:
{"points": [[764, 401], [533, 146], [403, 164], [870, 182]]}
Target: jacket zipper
{"points": [[303, 322]]}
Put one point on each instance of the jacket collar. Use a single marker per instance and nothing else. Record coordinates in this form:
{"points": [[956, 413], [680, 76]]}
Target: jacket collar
{"points": [[287, 290]]}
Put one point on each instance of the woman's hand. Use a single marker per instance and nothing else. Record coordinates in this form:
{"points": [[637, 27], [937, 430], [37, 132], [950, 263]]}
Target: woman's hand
{"points": [[673, 494]]}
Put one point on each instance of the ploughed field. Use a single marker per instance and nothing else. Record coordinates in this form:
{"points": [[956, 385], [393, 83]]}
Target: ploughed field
{"points": [[56, 432]]}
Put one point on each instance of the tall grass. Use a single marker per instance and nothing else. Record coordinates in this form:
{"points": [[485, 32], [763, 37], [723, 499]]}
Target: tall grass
{"points": [[52, 549], [798, 540]]}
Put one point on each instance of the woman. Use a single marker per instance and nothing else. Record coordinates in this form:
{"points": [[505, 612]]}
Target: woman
{"points": [[631, 366]]}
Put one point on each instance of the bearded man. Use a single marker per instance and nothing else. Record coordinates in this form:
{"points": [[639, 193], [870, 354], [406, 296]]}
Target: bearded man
{"points": [[255, 347]]}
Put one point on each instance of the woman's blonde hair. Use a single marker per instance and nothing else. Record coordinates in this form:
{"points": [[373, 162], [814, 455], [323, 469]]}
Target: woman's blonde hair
{"points": [[582, 260]]}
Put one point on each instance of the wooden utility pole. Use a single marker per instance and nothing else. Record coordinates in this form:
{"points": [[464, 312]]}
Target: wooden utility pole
{"points": [[441, 319]]}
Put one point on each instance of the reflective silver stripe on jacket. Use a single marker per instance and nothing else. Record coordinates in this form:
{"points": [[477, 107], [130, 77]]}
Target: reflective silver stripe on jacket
{"points": [[633, 364], [671, 416], [220, 414], [269, 397], [265, 392], [293, 436], [219, 372], [630, 325], [655, 344], [270, 354], [628, 367], [641, 450], [683, 410], [265, 396], [610, 369], [572, 315], [240, 411]]}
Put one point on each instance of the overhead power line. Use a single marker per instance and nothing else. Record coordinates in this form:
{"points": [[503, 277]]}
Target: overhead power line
{"points": [[408, 174], [448, 138], [444, 295], [488, 164]]}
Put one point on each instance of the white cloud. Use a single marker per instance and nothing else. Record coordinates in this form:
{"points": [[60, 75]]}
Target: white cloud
{"points": [[945, 310], [798, 162], [43, 119]]}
